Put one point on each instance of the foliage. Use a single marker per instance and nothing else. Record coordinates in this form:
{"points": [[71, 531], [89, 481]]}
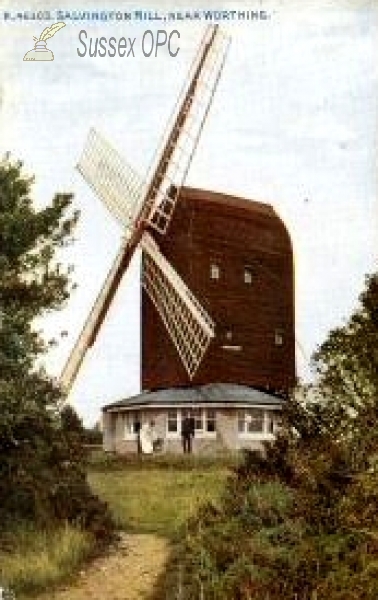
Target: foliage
{"points": [[301, 521], [347, 365], [347, 361], [93, 435], [42, 475], [85, 436], [35, 560]]}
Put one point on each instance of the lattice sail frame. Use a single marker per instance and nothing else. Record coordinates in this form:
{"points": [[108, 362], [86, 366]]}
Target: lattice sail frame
{"points": [[112, 179], [189, 325], [180, 140]]}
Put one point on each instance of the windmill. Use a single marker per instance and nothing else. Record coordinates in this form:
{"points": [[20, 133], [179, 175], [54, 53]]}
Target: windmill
{"points": [[143, 207]]}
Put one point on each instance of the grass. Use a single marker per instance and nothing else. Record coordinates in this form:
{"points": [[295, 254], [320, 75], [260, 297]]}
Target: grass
{"points": [[36, 560], [158, 497], [98, 460], [145, 494]]}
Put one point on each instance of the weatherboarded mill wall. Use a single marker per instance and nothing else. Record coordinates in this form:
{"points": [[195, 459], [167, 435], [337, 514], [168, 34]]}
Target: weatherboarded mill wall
{"points": [[236, 257]]}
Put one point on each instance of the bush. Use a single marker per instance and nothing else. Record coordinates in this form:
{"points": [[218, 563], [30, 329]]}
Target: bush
{"points": [[268, 539], [42, 467]]}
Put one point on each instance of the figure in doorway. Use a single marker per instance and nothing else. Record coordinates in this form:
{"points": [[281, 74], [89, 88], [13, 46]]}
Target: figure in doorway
{"points": [[137, 428], [146, 437], [187, 432]]}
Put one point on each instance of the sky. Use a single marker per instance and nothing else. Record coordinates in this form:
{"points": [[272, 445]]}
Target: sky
{"points": [[293, 123]]}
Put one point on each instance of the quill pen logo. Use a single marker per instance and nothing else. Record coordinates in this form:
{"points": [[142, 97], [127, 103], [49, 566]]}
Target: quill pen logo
{"points": [[40, 52]]}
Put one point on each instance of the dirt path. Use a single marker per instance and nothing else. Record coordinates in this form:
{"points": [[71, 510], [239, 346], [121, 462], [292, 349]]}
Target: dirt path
{"points": [[128, 572]]}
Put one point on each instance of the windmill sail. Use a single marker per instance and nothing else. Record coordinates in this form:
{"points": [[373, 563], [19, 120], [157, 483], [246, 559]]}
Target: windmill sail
{"points": [[112, 179], [137, 206], [96, 315], [174, 156], [187, 322]]}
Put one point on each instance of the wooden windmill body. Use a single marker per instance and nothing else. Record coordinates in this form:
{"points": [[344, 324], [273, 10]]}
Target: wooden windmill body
{"points": [[199, 325], [236, 257]]}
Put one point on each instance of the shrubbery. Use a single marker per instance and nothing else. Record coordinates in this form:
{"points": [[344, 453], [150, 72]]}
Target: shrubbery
{"points": [[301, 522], [42, 466]]}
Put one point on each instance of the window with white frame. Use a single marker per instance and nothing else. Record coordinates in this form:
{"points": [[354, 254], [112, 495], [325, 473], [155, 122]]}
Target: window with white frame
{"points": [[273, 421], [270, 422], [251, 421], [198, 420], [173, 421], [131, 420], [211, 424], [204, 421]]}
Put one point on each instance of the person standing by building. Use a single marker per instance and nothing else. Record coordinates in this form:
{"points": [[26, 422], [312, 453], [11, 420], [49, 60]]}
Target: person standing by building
{"points": [[187, 432], [137, 428], [146, 438]]}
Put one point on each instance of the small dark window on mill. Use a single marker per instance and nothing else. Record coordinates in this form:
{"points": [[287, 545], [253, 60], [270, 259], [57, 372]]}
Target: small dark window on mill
{"points": [[248, 275], [279, 337], [214, 271]]}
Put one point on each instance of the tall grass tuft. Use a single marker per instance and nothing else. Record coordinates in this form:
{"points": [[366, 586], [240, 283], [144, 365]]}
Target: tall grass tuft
{"points": [[35, 560]]}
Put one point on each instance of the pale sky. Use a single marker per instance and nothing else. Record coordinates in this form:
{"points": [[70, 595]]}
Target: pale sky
{"points": [[293, 124]]}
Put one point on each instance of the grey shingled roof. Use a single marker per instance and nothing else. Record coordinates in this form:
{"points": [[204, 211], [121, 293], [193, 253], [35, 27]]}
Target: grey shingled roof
{"points": [[215, 393]]}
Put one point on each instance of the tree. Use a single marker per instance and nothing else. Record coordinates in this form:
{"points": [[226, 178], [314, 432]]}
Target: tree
{"points": [[41, 471], [31, 281], [71, 420], [347, 367]]}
